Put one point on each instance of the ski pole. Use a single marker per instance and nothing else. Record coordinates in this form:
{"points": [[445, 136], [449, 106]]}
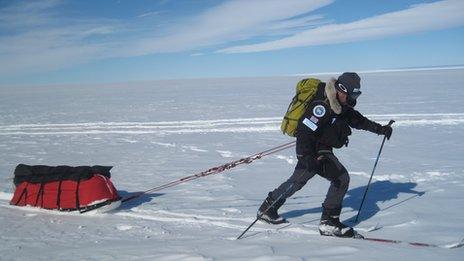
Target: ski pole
{"points": [[372, 174], [264, 212]]}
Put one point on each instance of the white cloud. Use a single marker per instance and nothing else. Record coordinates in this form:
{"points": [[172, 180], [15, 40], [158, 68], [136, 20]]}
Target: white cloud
{"points": [[418, 18], [39, 38], [152, 13], [35, 39], [24, 14], [230, 21]]}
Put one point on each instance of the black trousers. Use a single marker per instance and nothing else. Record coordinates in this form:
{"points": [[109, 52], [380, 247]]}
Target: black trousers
{"points": [[330, 168]]}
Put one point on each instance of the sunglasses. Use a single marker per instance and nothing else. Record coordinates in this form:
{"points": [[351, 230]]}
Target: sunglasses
{"points": [[353, 94]]}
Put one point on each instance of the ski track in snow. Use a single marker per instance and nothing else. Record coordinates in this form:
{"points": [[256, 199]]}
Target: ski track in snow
{"points": [[238, 224], [238, 125], [124, 227]]}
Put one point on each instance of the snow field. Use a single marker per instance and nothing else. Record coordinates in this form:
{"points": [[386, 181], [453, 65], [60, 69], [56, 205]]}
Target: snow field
{"points": [[154, 133]]}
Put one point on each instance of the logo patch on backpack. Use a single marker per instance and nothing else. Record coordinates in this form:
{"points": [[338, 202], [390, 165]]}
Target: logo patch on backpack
{"points": [[319, 111]]}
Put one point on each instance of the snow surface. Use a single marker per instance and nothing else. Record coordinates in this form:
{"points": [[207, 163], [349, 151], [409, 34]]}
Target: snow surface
{"points": [[156, 132]]}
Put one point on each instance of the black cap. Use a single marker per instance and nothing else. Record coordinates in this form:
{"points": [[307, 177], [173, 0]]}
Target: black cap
{"points": [[349, 83]]}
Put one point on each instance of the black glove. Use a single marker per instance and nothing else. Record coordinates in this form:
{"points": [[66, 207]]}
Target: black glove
{"points": [[386, 130]]}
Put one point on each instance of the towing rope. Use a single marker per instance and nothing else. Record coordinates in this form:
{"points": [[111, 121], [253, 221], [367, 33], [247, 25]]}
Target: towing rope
{"points": [[214, 170]]}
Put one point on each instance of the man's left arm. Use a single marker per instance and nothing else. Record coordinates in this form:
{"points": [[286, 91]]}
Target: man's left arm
{"points": [[358, 121]]}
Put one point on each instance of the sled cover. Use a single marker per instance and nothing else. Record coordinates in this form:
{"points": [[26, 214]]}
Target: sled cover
{"points": [[63, 188]]}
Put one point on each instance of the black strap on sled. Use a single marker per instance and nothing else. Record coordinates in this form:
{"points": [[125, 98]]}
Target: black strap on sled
{"points": [[40, 193], [24, 192], [58, 196], [78, 207]]}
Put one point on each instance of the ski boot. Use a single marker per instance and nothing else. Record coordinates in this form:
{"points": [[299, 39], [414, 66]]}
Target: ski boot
{"points": [[267, 212], [330, 225]]}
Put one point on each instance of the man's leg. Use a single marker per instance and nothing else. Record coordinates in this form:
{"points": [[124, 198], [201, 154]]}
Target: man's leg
{"points": [[297, 181], [277, 197], [339, 179]]}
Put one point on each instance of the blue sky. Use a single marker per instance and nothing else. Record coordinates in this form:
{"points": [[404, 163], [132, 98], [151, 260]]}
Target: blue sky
{"points": [[64, 41]]}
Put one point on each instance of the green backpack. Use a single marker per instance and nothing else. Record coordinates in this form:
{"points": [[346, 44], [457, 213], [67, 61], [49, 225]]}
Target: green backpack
{"points": [[305, 91]]}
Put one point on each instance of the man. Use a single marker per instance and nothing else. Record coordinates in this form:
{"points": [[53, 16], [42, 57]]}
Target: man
{"points": [[326, 124]]}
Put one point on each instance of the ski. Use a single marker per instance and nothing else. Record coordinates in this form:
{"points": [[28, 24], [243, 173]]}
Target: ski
{"points": [[359, 236], [392, 241], [302, 228], [401, 242]]}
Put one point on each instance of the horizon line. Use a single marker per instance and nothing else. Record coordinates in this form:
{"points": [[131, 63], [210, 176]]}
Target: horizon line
{"points": [[411, 69]]}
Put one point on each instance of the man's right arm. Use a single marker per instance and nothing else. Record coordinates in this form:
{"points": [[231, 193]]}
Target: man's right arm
{"points": [[358, 121]]}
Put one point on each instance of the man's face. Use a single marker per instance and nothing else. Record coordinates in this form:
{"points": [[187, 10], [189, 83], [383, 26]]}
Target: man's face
{"points": [[342, 97]]}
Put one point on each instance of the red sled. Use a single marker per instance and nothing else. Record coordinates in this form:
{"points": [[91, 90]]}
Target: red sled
{"points": [[63, 188]]}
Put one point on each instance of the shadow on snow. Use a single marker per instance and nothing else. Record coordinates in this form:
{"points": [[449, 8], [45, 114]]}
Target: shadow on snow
{"points": [[379, 191], [145, 198]]}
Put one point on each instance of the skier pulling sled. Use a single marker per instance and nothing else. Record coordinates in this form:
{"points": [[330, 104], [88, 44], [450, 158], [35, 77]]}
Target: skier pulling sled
{"points": [[321, 116]]}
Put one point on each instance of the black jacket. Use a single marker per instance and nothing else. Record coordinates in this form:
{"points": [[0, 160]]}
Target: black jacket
{"points": [[320, 129]]}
